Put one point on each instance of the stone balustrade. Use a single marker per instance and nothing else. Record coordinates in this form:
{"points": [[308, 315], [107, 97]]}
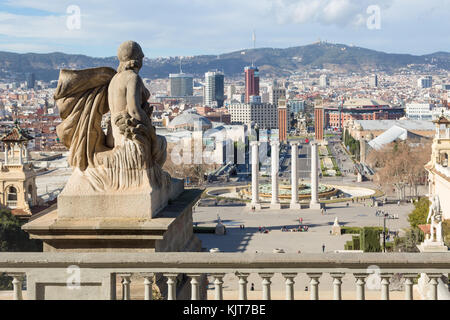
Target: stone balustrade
{"points": [[50, 276]]}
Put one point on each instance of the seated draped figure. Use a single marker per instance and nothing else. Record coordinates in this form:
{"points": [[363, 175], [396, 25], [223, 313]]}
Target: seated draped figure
{"points": [[130, 155]]}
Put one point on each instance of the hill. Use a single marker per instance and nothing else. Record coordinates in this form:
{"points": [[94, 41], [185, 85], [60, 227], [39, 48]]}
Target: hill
{"points": [[271, 61]]}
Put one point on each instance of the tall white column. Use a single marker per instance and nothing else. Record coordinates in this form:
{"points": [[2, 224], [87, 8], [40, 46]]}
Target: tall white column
{"points": [[314, 204], [294, 176], [255, 175], [275, 153]]}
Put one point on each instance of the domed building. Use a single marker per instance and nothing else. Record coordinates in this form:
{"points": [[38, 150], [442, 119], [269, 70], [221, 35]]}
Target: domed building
{"points": [[189, 120]]}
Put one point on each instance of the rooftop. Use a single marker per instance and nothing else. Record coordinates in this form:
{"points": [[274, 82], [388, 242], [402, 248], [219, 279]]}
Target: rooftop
{"points": [[382, 125]]}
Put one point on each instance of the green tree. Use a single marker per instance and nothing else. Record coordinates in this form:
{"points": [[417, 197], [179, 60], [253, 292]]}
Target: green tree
{"points": [[419, 214], [13, 238], [370, 239]]}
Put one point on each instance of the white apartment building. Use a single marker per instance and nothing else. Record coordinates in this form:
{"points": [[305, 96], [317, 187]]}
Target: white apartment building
{"points": [[419, 111], [264, 114]]}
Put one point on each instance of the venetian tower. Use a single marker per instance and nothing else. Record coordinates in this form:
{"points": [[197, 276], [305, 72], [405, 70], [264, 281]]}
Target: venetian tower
{"points": [[17, 177]]}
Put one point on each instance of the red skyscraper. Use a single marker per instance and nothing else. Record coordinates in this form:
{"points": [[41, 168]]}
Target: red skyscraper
{"points": [[251, 82]]}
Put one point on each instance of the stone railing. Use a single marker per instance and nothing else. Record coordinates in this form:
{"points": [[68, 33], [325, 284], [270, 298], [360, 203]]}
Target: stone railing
{"points": [[93, 275]]}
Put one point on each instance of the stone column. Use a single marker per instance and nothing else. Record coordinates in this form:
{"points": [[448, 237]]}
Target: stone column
{"points": [[266, 285], [314, 204], [434, 281], [218, 289], [294, 176], [17, 284], [409, 283], [148, 289], [385, 281], [275, 153], [243, 286], [171, 286], [337, 285], [195, 289], [255, 175], [314, 285], [289, 285], [126, 286], [360, 285]]}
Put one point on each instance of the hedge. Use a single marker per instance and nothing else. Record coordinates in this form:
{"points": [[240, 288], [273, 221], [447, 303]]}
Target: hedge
{"points": [[356, 243], [370, 239], [350, 230]]}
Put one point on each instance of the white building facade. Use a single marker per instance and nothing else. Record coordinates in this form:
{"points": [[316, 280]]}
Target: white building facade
{"points": [[264, 114]]}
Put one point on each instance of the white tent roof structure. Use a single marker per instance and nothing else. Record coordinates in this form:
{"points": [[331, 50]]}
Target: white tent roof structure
{"points": [[393, 133]]}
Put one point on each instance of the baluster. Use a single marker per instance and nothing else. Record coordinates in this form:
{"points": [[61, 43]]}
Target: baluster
{"points": [[17, 284], [360, 285], [289, 285], [266, 285], [125, 285], [434, 277], [218, 282], [171, 286], [243, 285], [409, 282], [148, 286], [385, 281], [337, 284], [314, 285], [195, 290]]}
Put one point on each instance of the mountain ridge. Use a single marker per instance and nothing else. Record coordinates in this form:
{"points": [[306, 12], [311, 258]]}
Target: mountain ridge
{"points": [[271, 61]]}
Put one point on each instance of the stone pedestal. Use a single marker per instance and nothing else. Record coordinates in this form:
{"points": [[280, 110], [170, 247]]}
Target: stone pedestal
{"points": [[432, 246], [336, 228], [170, 230]]}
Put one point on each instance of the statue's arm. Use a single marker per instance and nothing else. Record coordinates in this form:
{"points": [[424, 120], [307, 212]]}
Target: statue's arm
{"points": [[134, 99]]}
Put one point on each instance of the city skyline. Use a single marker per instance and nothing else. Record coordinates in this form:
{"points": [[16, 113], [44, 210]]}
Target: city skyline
{"points": [[192, 28]]}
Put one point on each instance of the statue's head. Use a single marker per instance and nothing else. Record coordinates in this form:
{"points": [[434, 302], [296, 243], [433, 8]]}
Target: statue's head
{"points": [[130, 56]]}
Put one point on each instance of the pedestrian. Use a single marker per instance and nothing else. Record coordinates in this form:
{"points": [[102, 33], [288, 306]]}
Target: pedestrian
{"points": [[321, 211], [252, 288], [323, 247]]}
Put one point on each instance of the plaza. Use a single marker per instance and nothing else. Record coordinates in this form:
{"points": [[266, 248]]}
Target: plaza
{"points": [[251, 240]]}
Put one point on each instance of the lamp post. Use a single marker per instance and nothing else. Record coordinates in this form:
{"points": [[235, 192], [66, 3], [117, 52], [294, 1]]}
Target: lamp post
{"points": [[385, 215]]}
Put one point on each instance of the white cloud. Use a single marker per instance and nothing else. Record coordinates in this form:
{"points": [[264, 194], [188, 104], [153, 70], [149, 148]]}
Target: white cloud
{"points": [[212, 26]]}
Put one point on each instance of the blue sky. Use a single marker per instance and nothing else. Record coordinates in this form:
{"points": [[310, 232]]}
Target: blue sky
{"points": [[191, 27]]}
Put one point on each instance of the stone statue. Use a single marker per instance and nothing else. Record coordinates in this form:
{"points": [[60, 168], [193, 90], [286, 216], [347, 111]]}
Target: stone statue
{"points": [[435, 215], [130, 155]]}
